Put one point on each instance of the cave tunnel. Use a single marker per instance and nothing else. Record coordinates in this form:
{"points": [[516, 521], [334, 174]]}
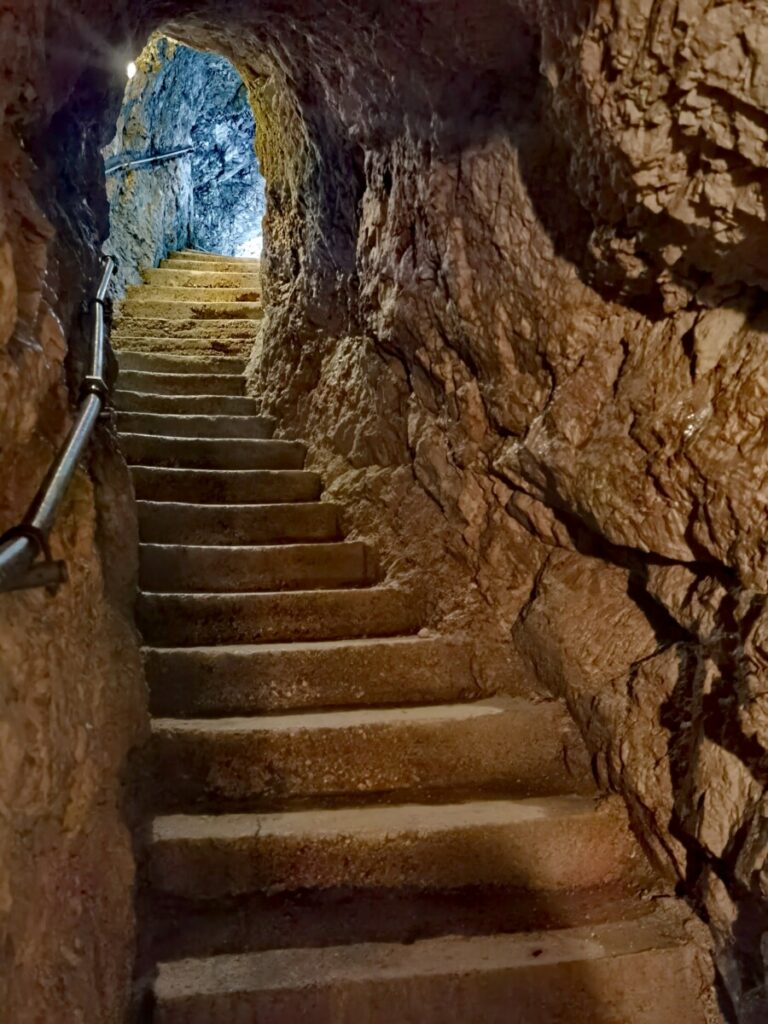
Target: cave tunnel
{"points": [[382, 524]]}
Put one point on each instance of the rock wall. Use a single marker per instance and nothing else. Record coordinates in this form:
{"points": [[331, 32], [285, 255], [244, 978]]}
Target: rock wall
{"points": [[515, 267], [71, 687], [211, 198]]}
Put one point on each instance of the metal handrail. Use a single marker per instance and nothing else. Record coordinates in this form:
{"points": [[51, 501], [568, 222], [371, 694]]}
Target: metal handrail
{"points": [[23, 545], [148, 160]]}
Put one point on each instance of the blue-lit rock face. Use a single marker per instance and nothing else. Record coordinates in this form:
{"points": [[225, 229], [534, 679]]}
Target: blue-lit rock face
{"points": [[210, 198]]}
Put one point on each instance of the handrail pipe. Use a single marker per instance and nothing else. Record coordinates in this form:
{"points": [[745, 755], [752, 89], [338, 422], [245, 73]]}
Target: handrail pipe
{"points": [[25, 556]]}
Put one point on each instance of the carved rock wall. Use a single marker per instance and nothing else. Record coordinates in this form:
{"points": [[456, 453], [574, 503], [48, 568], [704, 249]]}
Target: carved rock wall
{"points": [[515, 269]]}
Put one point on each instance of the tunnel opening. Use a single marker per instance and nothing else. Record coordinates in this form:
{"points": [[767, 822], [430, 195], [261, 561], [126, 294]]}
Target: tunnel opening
{"points": [[182, 170]]}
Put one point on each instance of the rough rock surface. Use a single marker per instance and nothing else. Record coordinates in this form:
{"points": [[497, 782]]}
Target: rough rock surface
{"points": [[515, 267], [211, 198]]}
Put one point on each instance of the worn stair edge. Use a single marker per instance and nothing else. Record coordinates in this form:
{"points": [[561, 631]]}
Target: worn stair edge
{"points": [[165, 277], [182, 405], [151, 382], [192, 294], [254, 678], [643, 970], [179, 620], [160, 362], [510, 745], [212, 452], [165, 329], [188, 425], [231, 568], [543, 844], [185, 523], [225, 486], [205, 308]]}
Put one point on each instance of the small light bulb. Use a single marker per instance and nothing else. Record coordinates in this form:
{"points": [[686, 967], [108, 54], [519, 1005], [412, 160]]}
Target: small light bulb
{"points": [[131, 70]]}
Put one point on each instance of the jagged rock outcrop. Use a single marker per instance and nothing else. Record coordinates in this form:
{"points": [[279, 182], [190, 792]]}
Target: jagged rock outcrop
{"points": [[515, 268]]}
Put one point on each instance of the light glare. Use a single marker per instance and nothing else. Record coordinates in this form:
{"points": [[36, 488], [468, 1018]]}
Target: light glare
{"points": [[131, 69]]}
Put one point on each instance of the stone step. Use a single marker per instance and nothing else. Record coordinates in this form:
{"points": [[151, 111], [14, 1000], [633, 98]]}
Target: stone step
{"points": [[151, 382], [195, 426], [546, 844], [183, 523], [193, 620], [215, 257], [254, 678], [164, 362], [192, 294], [165, 277], [225, 486], [185, 405], [175, 928], [166, 329], [236, 569], [640, 970], [140, 341], [212, 452], [506, 744], [228, 266], [204, 308]]}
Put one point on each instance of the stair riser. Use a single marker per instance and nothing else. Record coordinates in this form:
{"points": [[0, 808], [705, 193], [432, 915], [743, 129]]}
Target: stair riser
{"points": [[185, 405], [240, 569], [216, 453], [221, 267], [174, 928], [192, 620], [647, 987], [521, 752], [200, 348], [214, 257], [151, 307], [163, 329], [545, 855], [216, 487], [221, 681], [171, 523], [202, 279], [182, 383], [159, 362], [253, 427], [179, 293]]}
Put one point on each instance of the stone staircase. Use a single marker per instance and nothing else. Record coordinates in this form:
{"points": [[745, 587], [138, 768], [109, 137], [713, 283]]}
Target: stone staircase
{"points": [[349, 829]]}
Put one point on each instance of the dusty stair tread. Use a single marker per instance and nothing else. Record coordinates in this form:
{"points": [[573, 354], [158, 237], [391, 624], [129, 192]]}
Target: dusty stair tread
{"points": [[195, 263], [192, 294], [214, 278], [175, 619], [140, 401], [235, 567], [167, 362], [517, 746], [212, 452], [274, 523], [164, 383], [217, 257], [642, 970], [252, 678], [550, 843], [216, 486], [202, 308], [221, 331], [190, 425]]}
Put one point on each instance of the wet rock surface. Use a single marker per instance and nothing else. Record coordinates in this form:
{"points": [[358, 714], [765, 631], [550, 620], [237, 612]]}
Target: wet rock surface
{"points": [[515, 279]]}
